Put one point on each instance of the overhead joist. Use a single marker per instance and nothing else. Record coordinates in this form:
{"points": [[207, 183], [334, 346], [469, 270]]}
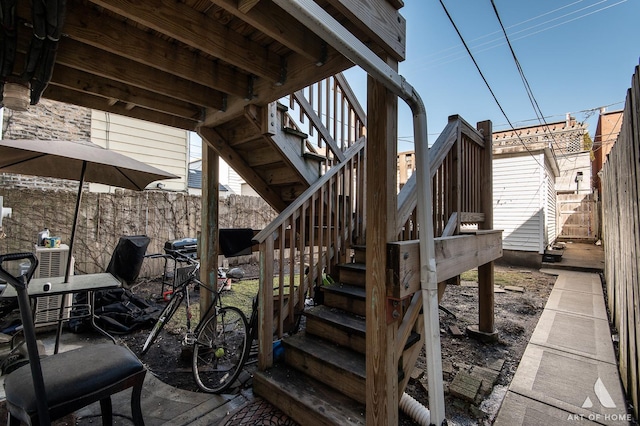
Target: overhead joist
{"points": [[280, 26], [297, 78], [84, 82], [89, 26], [62, 94], [185, 24], [82, 57]]}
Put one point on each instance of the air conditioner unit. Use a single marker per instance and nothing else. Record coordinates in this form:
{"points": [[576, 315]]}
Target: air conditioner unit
{"points": [[51, 263]]}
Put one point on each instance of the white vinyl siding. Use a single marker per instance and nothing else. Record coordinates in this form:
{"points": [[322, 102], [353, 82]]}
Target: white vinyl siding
{"points": [[157, 145], [551, 210], [519, 190]]}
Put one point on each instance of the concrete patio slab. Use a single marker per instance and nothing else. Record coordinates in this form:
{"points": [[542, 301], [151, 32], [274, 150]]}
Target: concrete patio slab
{"points": [[572, 383], [519, 410], [576, 281], [576, 334], [576, 302]]}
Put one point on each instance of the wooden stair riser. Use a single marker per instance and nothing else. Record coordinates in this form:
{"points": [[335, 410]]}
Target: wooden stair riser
{"points": [[356, 306], [305, 400], [340, 334], [352, 274], [341, 380], [359, 254]]}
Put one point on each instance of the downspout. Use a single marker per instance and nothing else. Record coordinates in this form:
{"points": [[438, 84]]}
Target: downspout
{"points": [[326, 27]]}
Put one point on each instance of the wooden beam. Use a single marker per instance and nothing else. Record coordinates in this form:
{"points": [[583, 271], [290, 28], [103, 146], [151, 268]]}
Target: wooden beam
{"points": [[217, 142], [380, 21], [245, 6], [208, 238], [454, 255], [382, 359], [299, 69], [187, 25], [107, 65], [61, 94], [89, 26], [282, 27], [81, 81], [486, 314]]}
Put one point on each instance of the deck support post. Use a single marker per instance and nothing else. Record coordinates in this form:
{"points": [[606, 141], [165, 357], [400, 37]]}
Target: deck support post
{"points": [[381, 208], [208, 238], [485, 330]]}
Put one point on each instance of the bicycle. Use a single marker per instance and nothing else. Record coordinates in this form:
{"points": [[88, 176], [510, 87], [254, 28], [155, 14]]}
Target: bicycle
{"points": [[220, 345]]}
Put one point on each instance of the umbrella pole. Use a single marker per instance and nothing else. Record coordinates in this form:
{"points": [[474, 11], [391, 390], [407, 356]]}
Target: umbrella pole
{"points": [[75, 222], [69, 258]]}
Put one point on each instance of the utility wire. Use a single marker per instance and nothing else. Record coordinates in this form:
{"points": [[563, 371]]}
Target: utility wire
{"points": [[491, 44], [525, 82], [486, 82]]}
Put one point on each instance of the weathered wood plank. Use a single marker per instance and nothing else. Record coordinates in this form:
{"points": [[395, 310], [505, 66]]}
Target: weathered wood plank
{"points": [[454, 255], [379, 20], [381, 162]]}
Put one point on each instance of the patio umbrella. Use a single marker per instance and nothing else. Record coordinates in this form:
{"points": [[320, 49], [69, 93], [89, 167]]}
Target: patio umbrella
{"points": [[82, 161]]}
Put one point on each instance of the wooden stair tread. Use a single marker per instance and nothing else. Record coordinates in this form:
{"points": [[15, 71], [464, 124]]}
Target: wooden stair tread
{"points": [[341, 358], [346, 290], [338, 318], [306, 400], [296, 132], [357, 266]]}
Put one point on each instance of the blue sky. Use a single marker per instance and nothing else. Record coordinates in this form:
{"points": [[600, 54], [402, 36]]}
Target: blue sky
{"points": [[577, 55]]}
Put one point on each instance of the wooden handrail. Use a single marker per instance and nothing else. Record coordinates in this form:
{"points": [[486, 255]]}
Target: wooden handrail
{"points": [[320, 227], [333, 114], [305, 196], [469, 140]]}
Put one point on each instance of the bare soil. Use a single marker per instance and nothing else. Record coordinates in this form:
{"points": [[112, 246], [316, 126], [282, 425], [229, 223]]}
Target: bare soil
{"points": [[516, 315]]}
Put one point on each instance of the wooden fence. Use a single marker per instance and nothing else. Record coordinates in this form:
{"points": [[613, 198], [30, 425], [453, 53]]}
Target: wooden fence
{"points": [[621, 229]]}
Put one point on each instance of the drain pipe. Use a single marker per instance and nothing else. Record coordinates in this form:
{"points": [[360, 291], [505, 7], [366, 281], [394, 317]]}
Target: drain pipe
{"points": [[326, 27], [418, 412]]}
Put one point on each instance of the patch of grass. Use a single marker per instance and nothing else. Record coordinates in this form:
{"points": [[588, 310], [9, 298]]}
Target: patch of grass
{"points": [[501, 278]]}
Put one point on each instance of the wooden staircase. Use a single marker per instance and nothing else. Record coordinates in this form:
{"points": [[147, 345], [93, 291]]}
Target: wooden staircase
{"points": [[266, 146], [321, 378], [327, 359]]}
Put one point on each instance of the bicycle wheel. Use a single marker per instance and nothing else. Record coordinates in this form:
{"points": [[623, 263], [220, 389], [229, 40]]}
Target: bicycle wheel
{"points": [[164, 318], [220, 350]]}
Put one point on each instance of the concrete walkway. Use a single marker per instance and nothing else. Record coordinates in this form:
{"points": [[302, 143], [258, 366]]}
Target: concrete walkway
{"points": [[568, 372]]}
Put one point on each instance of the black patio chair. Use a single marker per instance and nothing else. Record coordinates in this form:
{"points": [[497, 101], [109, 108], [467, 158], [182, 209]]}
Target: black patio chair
{"points": [[49, 388]]}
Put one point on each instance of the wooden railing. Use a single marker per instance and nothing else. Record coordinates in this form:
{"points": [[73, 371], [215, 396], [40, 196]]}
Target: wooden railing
{"points": [[329, 113], [458, 164], [306, 240]]}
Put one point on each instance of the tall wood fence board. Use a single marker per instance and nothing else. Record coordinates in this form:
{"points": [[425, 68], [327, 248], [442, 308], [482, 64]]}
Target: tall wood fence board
{"points": [[621, 237]]}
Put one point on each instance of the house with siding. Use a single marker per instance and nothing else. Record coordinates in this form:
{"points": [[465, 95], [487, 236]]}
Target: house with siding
{"points": [[524, 200], [531, 166]]}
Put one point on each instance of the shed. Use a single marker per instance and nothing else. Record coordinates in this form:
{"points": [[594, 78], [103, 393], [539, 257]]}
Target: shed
{"points": [[524, 199]]}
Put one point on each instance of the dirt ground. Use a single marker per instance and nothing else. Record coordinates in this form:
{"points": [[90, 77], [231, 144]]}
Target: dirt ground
{"points": [[516, 314]]}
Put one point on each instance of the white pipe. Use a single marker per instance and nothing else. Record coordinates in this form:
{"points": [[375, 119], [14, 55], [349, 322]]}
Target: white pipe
{"points": [[326, 27], [418, 412]]}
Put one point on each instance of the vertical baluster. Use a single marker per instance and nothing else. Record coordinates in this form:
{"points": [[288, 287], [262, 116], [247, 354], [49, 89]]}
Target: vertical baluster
{"points": [[281, 260], [292, 268], [302, 248]]}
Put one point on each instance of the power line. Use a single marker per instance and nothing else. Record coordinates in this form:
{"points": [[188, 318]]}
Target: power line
{"points": [[497, 42], [485, 81], [532, 98]]}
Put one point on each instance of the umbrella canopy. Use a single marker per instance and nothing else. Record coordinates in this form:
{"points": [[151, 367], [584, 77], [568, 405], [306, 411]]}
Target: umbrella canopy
{"points": [[65, 160], [81, 161]]}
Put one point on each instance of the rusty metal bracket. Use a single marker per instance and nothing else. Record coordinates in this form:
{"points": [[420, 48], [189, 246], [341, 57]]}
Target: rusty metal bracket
{"points": [[394, 310]]}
